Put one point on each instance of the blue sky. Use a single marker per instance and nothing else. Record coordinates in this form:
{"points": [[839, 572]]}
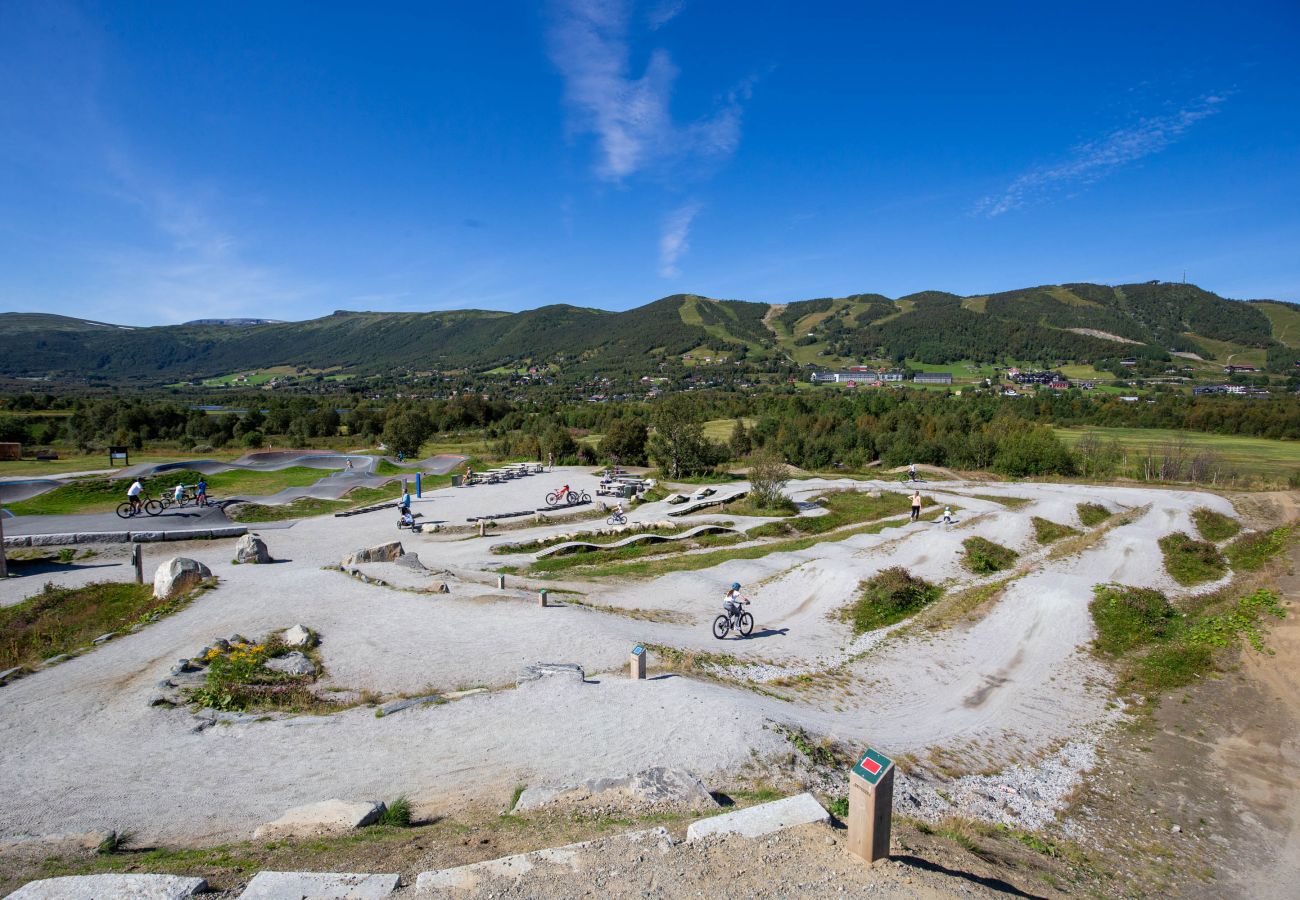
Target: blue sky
{"points": [[167, 161]]}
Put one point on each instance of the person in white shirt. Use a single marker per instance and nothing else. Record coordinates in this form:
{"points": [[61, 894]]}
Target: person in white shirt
{"points": [[133, 495]]}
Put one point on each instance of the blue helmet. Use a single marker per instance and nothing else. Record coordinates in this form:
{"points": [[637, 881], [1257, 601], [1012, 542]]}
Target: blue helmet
{"points": [[735, 585]]}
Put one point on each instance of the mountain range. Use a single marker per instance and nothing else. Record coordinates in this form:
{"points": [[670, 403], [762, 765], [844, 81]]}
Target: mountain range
{"points": [[1081, 323]]}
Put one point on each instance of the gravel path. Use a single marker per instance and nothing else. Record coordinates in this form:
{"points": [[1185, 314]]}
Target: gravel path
{"points": [[82, 749]]}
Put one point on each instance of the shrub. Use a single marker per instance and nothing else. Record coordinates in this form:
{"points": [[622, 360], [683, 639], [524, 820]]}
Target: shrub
{"points": [[1190, 561], [1128, 617], [397, 813], [253, 439], [1250, 551], [1047, 531], [983, 556], [1091, 514], [768, 475], [1214, 526], [888, 597]]}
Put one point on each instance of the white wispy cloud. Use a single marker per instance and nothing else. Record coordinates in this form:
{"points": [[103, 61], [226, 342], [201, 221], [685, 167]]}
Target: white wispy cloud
{"points": [[1091, 161], [674, 239], [664, 12], [630, 116]]}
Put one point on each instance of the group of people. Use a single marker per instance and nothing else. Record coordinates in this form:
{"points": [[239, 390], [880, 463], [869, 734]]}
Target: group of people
{"points": [[916, 509], [135, 494]]}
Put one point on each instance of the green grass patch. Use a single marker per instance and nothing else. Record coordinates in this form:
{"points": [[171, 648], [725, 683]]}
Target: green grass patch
{"points": [[587, 537], [61, 620], [1250, 552], [843, 508], [1047, 531], [888, 597], [1214, 526], [1191, 561], [1092, 514], [1160, 648], [611, 560], [1009, 502], [396, 814], [1266, 458], [984, 557]]}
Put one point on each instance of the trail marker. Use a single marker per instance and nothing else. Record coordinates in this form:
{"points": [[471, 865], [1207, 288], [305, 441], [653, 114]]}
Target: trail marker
{"points": [[541, 597], [871, 805], [638, 663]]}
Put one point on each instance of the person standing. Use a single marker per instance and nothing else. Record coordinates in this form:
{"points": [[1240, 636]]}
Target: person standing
{"points": [[916, 506], [406, 502], [947, 515], [550, 460], [201, 492]]}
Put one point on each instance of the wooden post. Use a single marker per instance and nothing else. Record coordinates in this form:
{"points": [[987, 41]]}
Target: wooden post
{"points": [[871, 806], [541, 597], [137, 560], [501, 582], [4, 563], [638, 663], [482, 527]]}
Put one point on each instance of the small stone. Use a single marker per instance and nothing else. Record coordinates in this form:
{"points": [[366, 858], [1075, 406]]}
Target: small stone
{"points": [[298, 636], [10, 673], [54, 660], [104, 638], [326, 817], [222, 643], [161, 700], [294, 663], [237, 639], [1177, 829]]}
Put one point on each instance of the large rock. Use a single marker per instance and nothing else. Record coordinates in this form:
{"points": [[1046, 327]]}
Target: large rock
{"points": [[178, 575], [318, 886], [111, 887], [382, 553], [657, 786], [298, 636], [294, 663], [251, 549], [564, 672], [766, 818], [327, 817]]}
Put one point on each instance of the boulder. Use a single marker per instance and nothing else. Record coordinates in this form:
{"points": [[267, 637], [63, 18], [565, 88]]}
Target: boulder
{"points": [[298, 636], [566, 672], [383, 553], [251, 549], [178, 575], [293, 663], [327, 817]]}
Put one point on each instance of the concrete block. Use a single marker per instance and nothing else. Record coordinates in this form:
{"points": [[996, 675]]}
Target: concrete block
{"points": [[318, 886], [561, 671], [452, 882], [766, 818], [111, 887], [327, 817]]}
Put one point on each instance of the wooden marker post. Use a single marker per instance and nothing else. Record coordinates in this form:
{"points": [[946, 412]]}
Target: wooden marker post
{"points": [[871, 806], [137, 560], [638, 663], [541, 597], [4, 563]]}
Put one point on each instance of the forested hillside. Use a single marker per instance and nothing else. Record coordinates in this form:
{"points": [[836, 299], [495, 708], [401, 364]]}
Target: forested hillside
{"points": [[1071, 322]]}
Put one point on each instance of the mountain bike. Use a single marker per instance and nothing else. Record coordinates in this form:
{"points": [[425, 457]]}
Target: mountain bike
{"points": [[566, 496], [147, 506], [735, 617], [619, 518]]}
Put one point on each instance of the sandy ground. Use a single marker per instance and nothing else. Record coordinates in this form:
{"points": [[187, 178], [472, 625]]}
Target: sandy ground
{"points": [[83, 750]]}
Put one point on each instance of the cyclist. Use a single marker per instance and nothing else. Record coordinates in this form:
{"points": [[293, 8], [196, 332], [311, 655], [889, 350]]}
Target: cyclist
{"points": [[911, 471], [733, 601], [133, 495], [618, 511], [201, 492]]}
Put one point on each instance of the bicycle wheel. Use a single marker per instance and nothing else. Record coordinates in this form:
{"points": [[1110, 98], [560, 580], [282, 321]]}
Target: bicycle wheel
{"points": [[721, 625], [124, 510], [746, 624], [573, 497], [154, 507], [552, 498]]}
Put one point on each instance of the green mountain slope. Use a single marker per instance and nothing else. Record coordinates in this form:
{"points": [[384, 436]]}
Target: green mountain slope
{"points": [[1076, 322]]}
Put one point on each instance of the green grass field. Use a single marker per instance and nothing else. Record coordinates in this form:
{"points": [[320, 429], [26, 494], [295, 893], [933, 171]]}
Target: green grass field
{"points": [[33, 468], [1261, 457]]}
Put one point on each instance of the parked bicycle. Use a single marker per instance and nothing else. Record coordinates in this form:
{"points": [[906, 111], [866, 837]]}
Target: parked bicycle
{"points": [[147, 505], [566, 495]]}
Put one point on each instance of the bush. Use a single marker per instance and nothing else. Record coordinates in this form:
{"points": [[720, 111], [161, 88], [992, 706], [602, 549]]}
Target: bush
{"points": [[1214, 526], [1091, 514], [1250, 551], [1190, 561], [890, 596], [768, 475], [983, 556], [254, 439], [1047, 531], [1128, 617]]}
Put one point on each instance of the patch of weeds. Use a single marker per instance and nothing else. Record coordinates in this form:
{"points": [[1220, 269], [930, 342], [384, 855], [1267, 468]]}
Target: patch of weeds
{"points": [[819, 752], [239, 680], [1092, 514], [890, 596], [1250, 552], [1190, 561], [1160, 648], [985, 557], [1009, 502], [1214, 526], [397, 814], [515, 795], [965, 833], [962, 603], [1047, 531], [839, 808], [116, 842], [60, 620]]}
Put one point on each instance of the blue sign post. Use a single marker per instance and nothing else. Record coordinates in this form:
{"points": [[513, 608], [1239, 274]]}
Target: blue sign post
{"points": [[638, 663], [418, 491]]}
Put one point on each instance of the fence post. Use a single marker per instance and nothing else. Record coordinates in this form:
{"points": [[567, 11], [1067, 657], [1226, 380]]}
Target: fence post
{"points": [[4, 563], [137, 560]]}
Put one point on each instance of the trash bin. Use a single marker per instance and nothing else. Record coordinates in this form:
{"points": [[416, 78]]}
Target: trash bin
{"points": [[457, 480]]}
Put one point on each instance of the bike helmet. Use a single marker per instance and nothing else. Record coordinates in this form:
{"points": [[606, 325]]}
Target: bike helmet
{"points": [[735, 585]]}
